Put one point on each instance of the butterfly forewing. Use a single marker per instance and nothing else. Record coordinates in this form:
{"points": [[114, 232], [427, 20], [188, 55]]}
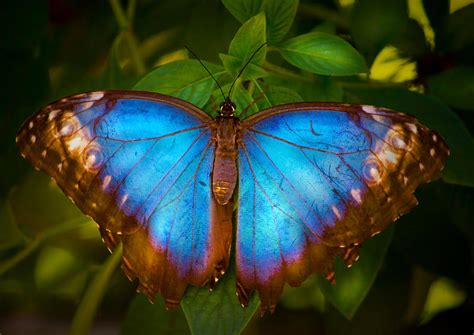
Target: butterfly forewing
{"points": [[139, 164], [316, 180]]}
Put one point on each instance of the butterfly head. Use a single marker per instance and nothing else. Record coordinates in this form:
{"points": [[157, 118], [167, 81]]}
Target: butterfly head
{"points": [[227, 108]]}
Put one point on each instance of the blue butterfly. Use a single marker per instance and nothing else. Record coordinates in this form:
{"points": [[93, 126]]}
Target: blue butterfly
{"points": [[310, 181]]}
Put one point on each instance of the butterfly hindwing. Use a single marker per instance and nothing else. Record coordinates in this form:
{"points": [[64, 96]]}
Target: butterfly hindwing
{"points": [[316, 180], [139, 164]]}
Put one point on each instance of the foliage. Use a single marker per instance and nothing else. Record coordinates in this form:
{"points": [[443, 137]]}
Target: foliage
{"points": [[315, 52]]}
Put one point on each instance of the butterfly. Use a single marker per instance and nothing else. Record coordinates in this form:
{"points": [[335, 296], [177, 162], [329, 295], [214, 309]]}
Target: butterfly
{"points": [[309, 181]]}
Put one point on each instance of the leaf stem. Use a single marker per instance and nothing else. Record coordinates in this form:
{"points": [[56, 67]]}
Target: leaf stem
{"points": [[87, 309], [35, 242], [124, 21]]}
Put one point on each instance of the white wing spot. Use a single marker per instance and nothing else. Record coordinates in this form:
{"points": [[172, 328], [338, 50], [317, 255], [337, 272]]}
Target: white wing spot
{"points": [[96, 95], [432, 152], [336, 212], [375, 173], [399, 143], [369, 109], [30, 125], [355, 192], [435, 138], [16, 139], [43, 154], [60, 167], [33, 138], [124, 198], [53, 114], [422, 167], [378, 118], [375, 233], [389, 156], [83, 106], [106, 183], [412, 128], [405, 180]]}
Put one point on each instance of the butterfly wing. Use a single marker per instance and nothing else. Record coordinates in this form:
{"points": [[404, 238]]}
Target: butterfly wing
{"points": [[316, 180], [139, 164]]}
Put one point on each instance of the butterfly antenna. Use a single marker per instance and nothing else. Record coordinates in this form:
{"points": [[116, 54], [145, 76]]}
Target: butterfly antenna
{"points": [[243, 67], [204, 66]]}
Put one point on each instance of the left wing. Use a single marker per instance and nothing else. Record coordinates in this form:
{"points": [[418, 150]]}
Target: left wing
{"points": [[317, 180], [140, 165]]}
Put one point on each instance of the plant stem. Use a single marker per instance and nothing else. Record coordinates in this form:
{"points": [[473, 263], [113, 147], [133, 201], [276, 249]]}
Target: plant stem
{"points": [[34, 243], [323, 13], [282, 72], [124, 22], [82, 322]]}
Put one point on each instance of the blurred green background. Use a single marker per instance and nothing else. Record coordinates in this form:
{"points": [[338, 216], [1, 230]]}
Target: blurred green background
{"points": [[414, 56]]}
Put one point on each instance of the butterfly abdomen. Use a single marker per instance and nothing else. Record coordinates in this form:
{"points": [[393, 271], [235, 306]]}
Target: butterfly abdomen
{"points": [[224, 172]]}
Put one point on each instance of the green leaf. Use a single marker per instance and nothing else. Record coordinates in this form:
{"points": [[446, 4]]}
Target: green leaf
{"points": [[411, 42], [185, 79], [234, 64], [438, 209], [353, 284], [268, 96], [145, 318], [375, 23], [248, 39], [85, 313], [455, 87], [459, 29], [219, 311], [246, 104], [61, 272], [280, 15], [315, 88], [114, 76], [435, 115], [323, 54], [243, 10]]}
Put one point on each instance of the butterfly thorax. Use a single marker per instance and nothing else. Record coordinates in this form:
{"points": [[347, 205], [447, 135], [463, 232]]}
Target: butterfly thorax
{"points": [[224, 175]]}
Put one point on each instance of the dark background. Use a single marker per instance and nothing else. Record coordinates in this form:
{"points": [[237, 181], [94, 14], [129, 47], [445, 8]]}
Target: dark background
{"points": [[49, 49]]}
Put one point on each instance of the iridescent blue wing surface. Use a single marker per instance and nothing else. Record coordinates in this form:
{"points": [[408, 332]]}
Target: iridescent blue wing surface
{"points": [[139, 164], [315, 181]]}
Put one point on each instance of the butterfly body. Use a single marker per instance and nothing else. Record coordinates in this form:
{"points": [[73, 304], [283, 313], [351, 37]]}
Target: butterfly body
{"points": [[224, 175], [310, 181]]}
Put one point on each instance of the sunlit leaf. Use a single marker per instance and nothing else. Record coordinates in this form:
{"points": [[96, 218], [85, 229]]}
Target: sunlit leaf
{"points": [[323, 54], [353, 284], [444, 294]]}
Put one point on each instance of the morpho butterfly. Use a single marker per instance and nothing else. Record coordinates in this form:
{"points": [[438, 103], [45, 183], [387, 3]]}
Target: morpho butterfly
{"points": [[310, 181]]}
